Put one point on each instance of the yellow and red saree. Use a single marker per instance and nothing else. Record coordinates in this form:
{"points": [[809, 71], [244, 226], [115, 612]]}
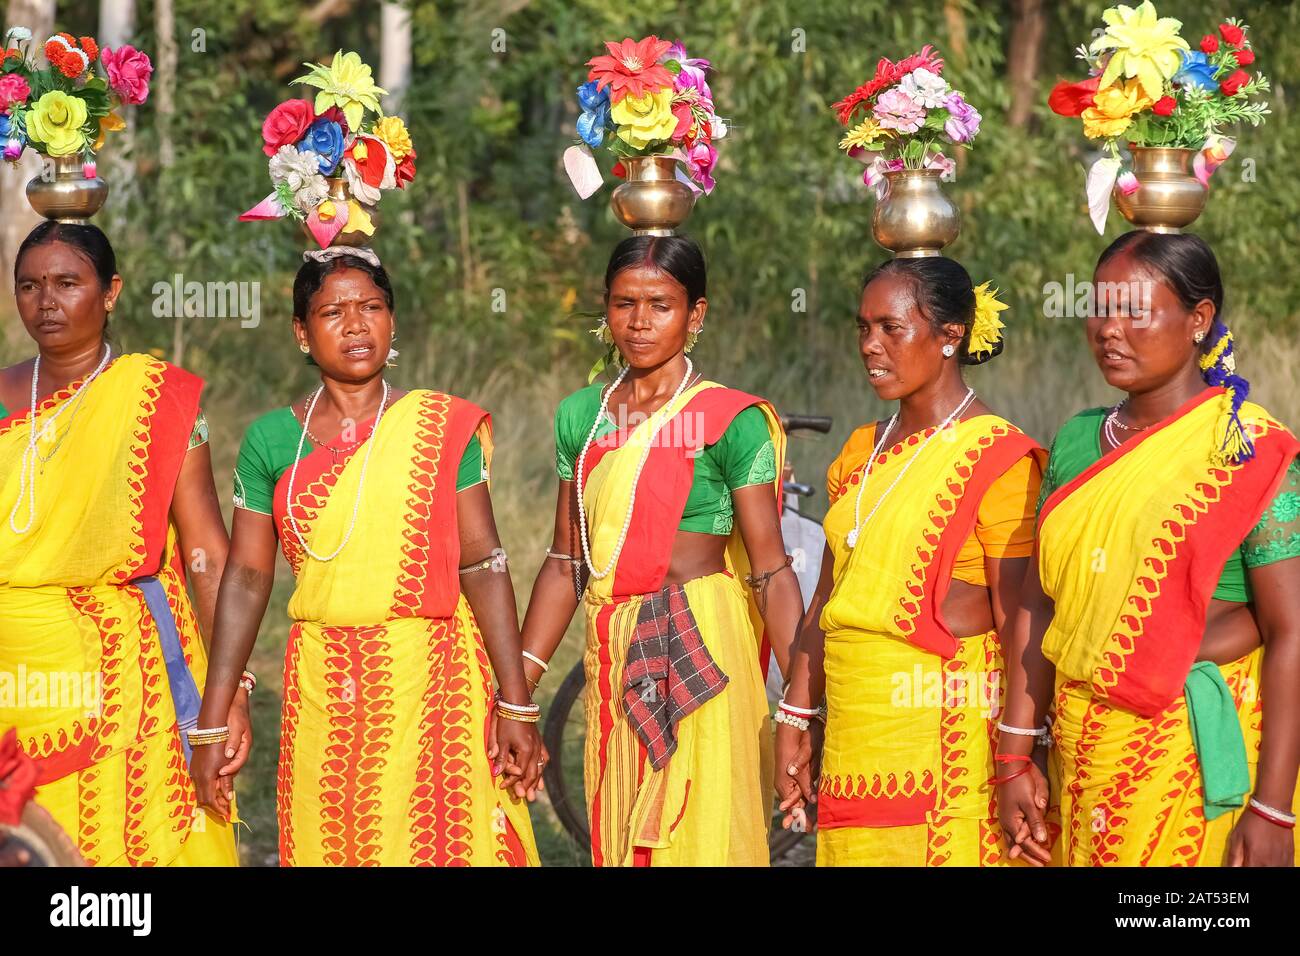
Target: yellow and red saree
{"points": [[1130, 551], [387, 685], [99, 646], [912, 709], [710, 804]]}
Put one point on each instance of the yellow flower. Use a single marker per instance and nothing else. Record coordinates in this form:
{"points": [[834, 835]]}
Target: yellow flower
{"points": [[646, 119], [986, 330], [1144, 44], [55, 122], [358, 219], [864, 135], [1112, 110], [392, 132], [346, 83], [109, 123]]}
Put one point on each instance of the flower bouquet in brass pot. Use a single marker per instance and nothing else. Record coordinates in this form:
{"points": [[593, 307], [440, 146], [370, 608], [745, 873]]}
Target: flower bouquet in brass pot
{"points": [[899, 123], [331, 159], [1148, 90], [64, 111], [649, 103]]}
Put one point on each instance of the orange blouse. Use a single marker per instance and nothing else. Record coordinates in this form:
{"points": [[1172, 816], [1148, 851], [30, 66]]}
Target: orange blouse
{"points": [[1004, 526]]}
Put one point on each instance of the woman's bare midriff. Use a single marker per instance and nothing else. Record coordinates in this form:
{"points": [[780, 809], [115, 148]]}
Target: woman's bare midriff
{"points": [[696, 555], [967, 609], [1230, 633]]}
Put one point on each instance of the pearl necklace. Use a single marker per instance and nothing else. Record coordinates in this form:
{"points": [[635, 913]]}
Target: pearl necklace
{"points": [[582, 459], [27, 476], [361, 483], [1108, 427], [859, 526]]}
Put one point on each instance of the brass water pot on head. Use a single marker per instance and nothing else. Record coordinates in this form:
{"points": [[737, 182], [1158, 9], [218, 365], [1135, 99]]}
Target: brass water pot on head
{"points": [[1169, 197], [61, 190], [653, 201], [915, 218]]}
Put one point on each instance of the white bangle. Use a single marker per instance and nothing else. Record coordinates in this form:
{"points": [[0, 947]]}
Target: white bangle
{"points": [[1273, 813], [798, 723], [1022, 731], [801, 711], [538, 661]]}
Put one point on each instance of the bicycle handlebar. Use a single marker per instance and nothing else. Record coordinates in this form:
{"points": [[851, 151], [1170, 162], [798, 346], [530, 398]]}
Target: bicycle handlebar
{"points": [[814, 423]]}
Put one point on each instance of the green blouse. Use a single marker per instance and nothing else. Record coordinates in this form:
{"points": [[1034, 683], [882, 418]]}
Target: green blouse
{"points": [[1275, 538], [267, 452], [743, 456]]}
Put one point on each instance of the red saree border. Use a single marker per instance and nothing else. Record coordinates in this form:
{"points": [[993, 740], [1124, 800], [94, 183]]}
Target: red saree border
{"points": [[855, 802], [660, 502]]}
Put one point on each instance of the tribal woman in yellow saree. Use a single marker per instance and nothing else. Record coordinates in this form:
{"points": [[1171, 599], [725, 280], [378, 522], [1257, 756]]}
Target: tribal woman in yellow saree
{"points": [[928, 535], [107, 512], [668, 506], [393, 749], [1160, 626]]}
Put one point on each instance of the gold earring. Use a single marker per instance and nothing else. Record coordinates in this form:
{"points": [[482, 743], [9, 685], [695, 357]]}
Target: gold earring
{"points": [[304, 349], [692, 338], [1199, 337], [109, 307]]}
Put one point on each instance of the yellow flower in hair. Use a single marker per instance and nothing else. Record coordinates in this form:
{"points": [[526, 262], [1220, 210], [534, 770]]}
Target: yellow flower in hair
{"points": [[986, 330]]}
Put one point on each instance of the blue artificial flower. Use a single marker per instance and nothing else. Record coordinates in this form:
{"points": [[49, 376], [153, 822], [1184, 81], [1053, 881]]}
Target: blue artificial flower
{"points": [[11, 128], [595, 113], [1196, 71], [324, 137]]}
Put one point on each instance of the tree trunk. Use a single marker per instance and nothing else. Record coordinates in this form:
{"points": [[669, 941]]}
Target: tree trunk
{"points": [[164, 104], [394, 54], [17, 218], [116, 27], [1028, 24]]}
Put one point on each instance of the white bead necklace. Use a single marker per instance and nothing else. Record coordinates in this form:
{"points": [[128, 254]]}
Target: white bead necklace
{"points": [[361, 482], [1108, 426], [27, 476], [631, 504], [858, 525]]}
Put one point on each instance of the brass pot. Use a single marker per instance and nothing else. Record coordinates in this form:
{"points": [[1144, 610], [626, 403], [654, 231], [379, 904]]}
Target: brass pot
{"points": [[1169, 197], [915, 218], [66, 195], [653, 201], [340, 194]]}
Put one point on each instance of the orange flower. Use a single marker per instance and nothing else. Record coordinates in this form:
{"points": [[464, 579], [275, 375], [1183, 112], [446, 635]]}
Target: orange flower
{"points": [[1113, 108]]}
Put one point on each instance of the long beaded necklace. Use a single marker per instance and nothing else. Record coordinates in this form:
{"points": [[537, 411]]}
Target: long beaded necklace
{"points": [[858, 525], [631, 504], [361, 483], [27, 476]]}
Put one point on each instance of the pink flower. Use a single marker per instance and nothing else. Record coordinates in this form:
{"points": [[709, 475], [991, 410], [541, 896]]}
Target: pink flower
{"points": [[128, 73], [286, 124], [13, 149], [89, 170], [896, 110], [1128, 183], [13, 89], [699, 162]]}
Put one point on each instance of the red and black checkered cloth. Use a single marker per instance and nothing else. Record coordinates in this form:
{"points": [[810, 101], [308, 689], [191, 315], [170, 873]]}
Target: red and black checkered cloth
{"points": [[669, 672]]}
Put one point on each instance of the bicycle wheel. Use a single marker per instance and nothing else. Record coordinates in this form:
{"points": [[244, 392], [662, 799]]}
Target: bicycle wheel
{"points": [[563, 735]]}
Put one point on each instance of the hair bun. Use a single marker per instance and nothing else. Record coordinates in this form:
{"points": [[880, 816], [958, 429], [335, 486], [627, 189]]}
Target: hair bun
{"points": [[980, 358]]}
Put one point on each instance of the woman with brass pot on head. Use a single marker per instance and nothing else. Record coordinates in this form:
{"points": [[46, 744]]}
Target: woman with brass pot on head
{"points": [[107, 515], [929, 532], [667, 518], [393, 750], [1160, 624]]}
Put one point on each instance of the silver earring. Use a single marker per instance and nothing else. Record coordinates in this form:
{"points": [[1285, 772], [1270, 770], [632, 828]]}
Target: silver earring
{"points": [[949, 350], [1199, 337]]}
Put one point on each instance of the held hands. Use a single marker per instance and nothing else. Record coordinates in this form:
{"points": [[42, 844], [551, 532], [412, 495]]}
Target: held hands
{"points": [[518, 756], [795, 772], [214, 766], [1022, 803]]}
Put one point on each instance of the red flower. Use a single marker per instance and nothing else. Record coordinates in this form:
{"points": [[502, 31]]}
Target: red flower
{"points": [[1233, 83], [286, 124], [1233, 35], [1209, 43], [1244, 57], [619, 170], [70, 65], [92, 50], [405, 171], [1164, 106], [887, 74], [631, 68], [1071, 99], [370, 157]]}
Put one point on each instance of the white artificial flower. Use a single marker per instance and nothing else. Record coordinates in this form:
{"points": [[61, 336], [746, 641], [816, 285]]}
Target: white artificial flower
{"points": [[294, 167], [312, 193], [719, 130], [20, 34], [361, 191], [924, 88]]}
